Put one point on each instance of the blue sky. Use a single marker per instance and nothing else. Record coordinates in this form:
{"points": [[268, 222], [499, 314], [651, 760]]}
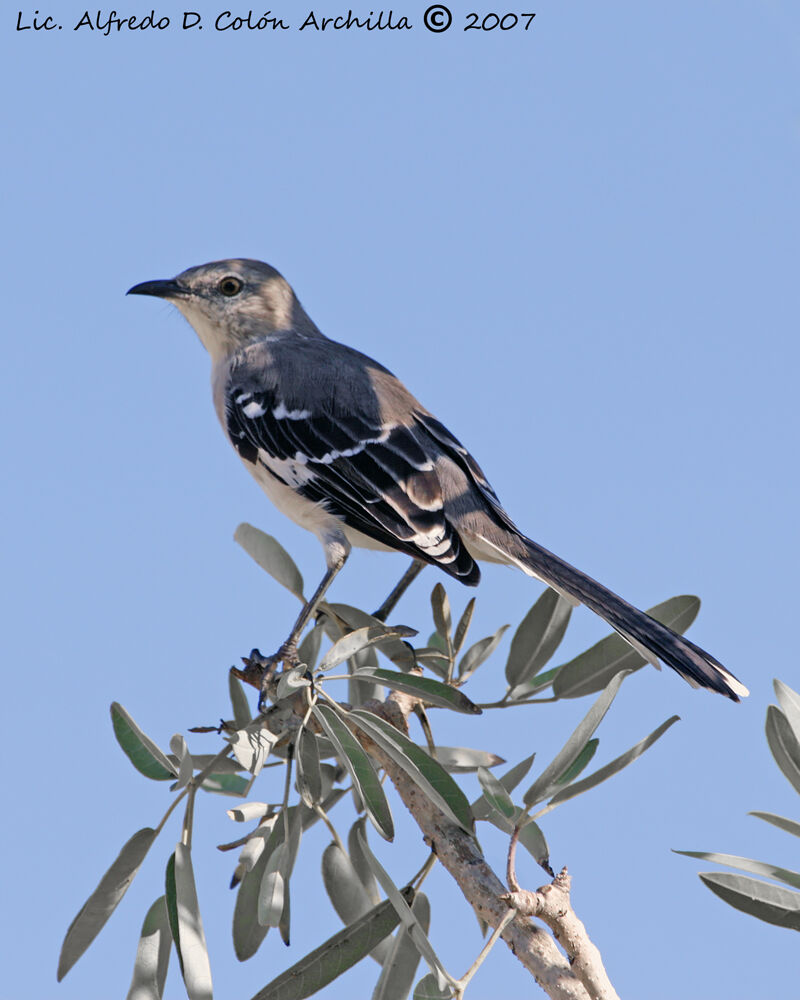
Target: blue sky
{"points": [[578, 247]]}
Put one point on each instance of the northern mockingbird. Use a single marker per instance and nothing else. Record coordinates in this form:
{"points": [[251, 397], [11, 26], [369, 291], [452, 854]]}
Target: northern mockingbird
{"points": [[343, 448]]}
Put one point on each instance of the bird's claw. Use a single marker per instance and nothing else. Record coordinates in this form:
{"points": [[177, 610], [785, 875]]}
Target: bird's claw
{"points": [[287, 655]]}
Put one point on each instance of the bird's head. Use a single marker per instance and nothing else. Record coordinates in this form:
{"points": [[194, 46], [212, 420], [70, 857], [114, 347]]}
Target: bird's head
{"points": [[231, 303]]}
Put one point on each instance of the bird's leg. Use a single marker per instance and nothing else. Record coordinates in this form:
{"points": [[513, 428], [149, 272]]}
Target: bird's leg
{"points": [[402, 586], [337, 550]]}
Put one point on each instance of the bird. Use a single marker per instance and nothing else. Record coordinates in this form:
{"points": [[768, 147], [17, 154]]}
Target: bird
{"points": [[339, 444]]}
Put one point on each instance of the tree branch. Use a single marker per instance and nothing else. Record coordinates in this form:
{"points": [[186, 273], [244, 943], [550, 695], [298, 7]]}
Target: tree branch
{"points": [[460, 854], [551, 904]]}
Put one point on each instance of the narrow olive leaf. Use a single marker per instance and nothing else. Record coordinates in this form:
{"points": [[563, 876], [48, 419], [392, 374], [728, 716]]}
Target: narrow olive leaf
{"points": [[271, 894], [509, 781], [335, 956], [427, 773], [251, 746], [768, 902], [748, 865], [248, 933], [616, 765], [463, 627], [534, 685], [185, 763], [784, 745], [359, 689], [348, 895], [428, 988], [400, 967], [532, 839], [351, 643], [479, 653], [440, 605], [592, 670], [359, 861], [537, 637], [239, 703], [171, 901], [284, 923], [270, 556], [365, 780], [580, 763], [92, 916], [249, 811], [399, 652], [309, 776], [140, 750], [152, 955], [226, 784], [495, 794], [196, 967], [434, 659], [461, 760], [789, 825], [789, 700], [308, 650], [543, 785], [408, 919], [431, 691], [437, 641]]}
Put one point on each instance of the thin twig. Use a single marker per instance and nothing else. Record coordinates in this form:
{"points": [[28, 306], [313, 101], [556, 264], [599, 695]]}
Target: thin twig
{"points": [[401, 587], [462, 983]]}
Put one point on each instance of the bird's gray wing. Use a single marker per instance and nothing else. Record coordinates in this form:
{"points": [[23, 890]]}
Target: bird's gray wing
{"points": [[378, 476]]}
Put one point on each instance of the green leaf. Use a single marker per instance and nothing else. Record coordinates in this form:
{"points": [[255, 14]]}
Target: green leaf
{"points": [[427, 773], [346, 892], [241, 707], [462, 760], [94, 913], [271, 556], [479, 653], [748, 865], [580, 762], [248, 933], [442, 619], [537, 637], [616, 765], [434, 659], [171, 900], [428, 988], [543, 785], [532, 839], [789, 825], [495, 794], [784, 745], [225, 784], [463, 627], [509, 781], [789, 700], [431, 691], [769, 903], [360, 690], [534, 685], [309, 776], [352, 756], [152, 955], [591, 671], [399, 652], [353, 642], [273, 882], [335, 956], [400, 902], [400, 967], [359, 860], [196, 968], [251, 746], [140, 750]]}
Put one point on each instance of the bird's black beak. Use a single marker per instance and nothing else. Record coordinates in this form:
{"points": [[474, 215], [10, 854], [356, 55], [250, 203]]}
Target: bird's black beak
{"points": [[169, 289]]}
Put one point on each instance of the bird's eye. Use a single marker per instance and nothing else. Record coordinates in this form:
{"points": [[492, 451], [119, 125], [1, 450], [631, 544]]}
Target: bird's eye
{"points": [[230, 286]]}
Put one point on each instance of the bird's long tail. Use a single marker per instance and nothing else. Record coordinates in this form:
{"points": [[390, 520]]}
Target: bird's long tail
{"points": [[652, 639]]}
